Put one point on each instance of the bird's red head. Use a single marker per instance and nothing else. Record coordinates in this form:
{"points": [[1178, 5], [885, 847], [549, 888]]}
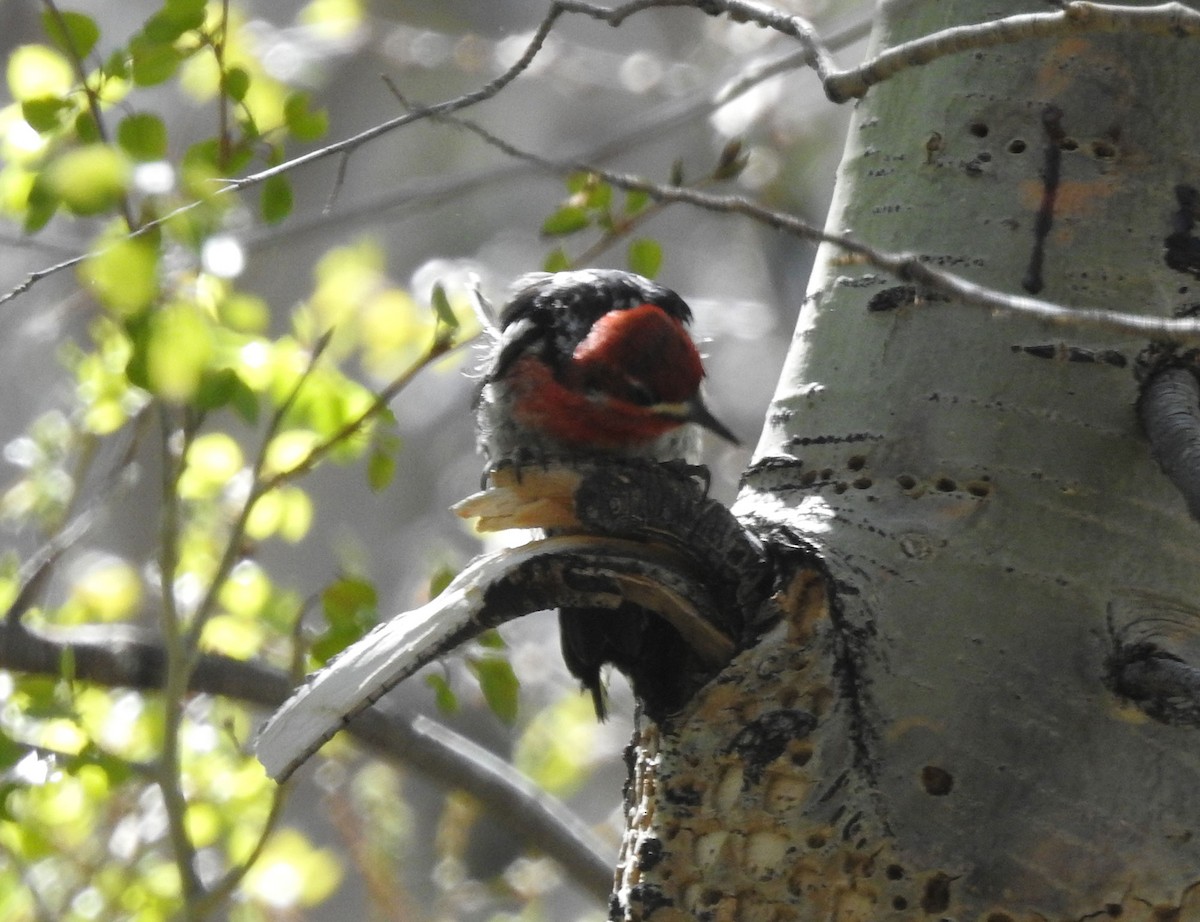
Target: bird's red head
{"points": [[600, 360]]}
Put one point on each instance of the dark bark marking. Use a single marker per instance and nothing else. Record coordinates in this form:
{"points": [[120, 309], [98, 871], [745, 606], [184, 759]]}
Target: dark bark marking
{"points": [[936, 781], [1182, 247], [1056, 142], [764, 740], [936, 896], [1064, 353]]}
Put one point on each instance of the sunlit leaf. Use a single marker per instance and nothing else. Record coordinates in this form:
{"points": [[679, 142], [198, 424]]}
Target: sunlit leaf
{"points": [[74, 33], [556, 750], [247, 590], [38, 72], [178, 350], [90, 179], [109, 591], [297, 514], [143, 136], [123, 276], [289, 449], [292, 873], [212, 460]]}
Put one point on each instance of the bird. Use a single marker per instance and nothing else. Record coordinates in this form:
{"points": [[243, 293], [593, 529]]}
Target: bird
{"points": [[588, 364]]}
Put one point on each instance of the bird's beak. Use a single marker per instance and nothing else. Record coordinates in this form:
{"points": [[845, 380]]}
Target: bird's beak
{"points": [[694, 411], [699, 414]]}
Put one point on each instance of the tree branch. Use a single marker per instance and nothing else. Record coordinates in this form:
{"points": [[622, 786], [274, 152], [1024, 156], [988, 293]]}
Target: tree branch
{"points": [[1173, 20], [114, 657], [909, 267]]}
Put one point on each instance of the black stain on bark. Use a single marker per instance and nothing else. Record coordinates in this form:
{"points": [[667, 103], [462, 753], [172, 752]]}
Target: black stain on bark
{"points": [[1182, 246], [1051, 175]]}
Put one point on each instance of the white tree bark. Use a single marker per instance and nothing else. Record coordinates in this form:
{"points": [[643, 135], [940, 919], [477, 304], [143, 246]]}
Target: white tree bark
{"points": [[939, 736]]}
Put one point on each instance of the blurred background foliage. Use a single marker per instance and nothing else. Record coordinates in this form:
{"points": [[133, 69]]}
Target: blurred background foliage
{"points": [[195, 442]]}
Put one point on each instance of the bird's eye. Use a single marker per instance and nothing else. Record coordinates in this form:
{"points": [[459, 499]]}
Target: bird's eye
{"points": [[638, 393]]}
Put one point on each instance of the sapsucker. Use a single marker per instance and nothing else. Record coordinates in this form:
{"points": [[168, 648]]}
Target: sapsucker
{"points": [[588, 364]]}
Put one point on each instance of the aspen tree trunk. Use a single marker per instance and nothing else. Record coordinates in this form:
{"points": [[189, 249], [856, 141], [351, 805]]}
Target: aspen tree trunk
{"points": [[937, 737]]}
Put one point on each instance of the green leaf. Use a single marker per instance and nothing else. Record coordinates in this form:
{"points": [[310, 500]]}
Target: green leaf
{"points": [[499, 685], [635, 201], [567, 220], [442, 309], [143, 136], [381, 468], [72, 32], [443, 695], [304, 123], [179, 347], [599, 195], [225, 387], [349, 605], [89, 180], [556, 260], [276, 201], [38, 72], [44, 114], [40, 206], [124, 276], [152, 62], [237, 82], [491, 640], [645, 256], [439, 580], [172, 21], [86, 129]]}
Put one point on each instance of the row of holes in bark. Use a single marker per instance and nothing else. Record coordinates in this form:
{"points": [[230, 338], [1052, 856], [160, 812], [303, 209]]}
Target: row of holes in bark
{"points": [[1102, 149], [981, 487]]}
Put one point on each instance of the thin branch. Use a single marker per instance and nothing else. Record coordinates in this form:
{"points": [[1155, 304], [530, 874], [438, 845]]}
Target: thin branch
{"points": [[113, 657], [233, 541], [908, 267], [177, 669], [93, 99], [1174, 20], [441, 346], [487, 91]]}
